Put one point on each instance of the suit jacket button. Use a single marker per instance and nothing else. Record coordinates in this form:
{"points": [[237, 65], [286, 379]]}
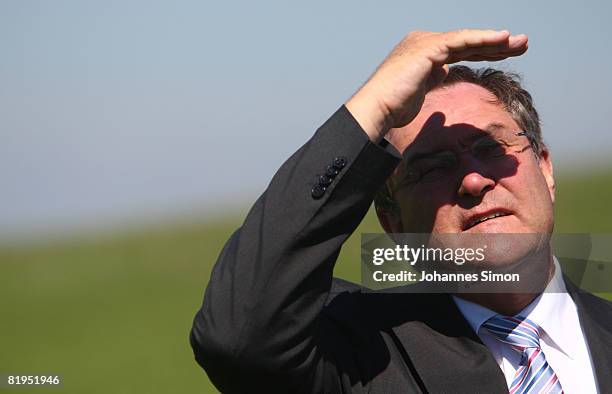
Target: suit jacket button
{"points": [[331, 171], [340, 162], [317, 191], [324, 180]]}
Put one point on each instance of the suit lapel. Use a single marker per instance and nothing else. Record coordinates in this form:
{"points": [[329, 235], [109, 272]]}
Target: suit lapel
{"points": [[595, 317], [441, 347]]}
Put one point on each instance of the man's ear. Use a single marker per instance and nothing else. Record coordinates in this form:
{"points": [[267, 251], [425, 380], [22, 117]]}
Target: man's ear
{"points": [[546, 167]]}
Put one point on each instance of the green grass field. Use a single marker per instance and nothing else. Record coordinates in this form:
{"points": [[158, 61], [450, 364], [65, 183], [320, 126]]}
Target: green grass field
{"points": [[112, 313]]}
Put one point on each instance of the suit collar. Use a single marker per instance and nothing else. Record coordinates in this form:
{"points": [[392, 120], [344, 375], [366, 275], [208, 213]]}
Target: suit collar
{"points": [[444, 350], [595, 316], [546, 310], [452, 356]]}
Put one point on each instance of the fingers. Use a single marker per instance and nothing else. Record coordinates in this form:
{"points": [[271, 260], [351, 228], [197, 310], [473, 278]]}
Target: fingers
{"points": [[393, 96], [486, 54], [462, 39], [438, 74], [518, 41], [481, 58], [481, 44]]}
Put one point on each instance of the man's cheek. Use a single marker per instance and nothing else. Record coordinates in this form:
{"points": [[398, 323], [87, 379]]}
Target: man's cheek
{"points": [[445, 219], [432, 218], [427, 207], [415, 218]]}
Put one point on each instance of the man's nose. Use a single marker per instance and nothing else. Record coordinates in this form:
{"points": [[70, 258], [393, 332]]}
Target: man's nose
{"points": [[475, 184]]}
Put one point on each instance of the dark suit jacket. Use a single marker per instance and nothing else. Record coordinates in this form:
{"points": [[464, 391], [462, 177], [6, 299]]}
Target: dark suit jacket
{"points": [[273, 320]]}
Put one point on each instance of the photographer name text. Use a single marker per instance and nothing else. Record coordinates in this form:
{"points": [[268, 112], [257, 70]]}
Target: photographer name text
{"points": [[435, 276]]}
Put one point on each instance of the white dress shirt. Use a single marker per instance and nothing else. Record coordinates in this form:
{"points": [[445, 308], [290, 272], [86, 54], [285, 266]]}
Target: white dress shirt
{"points": [[562, 339]]}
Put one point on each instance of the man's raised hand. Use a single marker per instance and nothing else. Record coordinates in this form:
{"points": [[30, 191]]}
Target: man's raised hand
{"points": [[394, 94]]}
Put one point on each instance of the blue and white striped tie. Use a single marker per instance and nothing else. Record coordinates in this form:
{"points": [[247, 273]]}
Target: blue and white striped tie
{"points": [[534, 375]]}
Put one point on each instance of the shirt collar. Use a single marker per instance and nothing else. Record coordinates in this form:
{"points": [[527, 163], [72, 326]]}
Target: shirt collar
{"points": [[553, 310], [475, 314]]}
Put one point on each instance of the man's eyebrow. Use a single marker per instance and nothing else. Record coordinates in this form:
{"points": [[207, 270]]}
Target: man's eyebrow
{"points": [[489, 130], [424, 155], [486, 131], [495, 126]]}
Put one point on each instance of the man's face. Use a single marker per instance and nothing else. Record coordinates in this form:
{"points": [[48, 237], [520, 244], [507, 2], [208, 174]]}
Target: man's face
{"points": [[466, 171]]}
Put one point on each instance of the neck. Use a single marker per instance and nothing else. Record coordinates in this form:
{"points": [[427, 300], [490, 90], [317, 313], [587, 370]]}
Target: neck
{"points": [[505, 304], [508, 304]]}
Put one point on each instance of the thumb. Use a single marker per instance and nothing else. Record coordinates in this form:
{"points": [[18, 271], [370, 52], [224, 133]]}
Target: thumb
{"points": [[438, 74]]}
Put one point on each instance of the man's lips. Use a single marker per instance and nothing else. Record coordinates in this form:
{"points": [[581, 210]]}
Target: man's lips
{"points": [[477, 218]]}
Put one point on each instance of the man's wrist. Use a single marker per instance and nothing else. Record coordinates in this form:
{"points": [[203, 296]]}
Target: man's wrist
{"points": [[370, 115]]}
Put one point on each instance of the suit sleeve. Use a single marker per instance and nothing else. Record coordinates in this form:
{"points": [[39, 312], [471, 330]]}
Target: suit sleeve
{"points": [[259, 326]]}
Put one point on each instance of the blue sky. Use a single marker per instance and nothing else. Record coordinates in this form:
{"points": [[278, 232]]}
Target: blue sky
{"points": [[112, 111]]}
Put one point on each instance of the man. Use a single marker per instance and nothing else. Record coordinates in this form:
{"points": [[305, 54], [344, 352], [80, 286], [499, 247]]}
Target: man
{"points": [[273, 320]]}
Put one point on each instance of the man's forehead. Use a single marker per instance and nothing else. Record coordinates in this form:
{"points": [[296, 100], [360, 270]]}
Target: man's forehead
{"points": [[435, 132], [459, 134], [456, 112], [461, 103]]}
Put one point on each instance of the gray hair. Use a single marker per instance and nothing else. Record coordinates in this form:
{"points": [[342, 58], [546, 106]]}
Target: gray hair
{"points": [[507, 89]]}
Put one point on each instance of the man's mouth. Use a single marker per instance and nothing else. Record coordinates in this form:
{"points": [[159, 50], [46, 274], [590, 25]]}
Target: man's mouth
{"points": [[476, 219]]}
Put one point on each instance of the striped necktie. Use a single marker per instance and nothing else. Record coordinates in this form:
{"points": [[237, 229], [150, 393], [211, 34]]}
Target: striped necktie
{"points": [[534, 374]]}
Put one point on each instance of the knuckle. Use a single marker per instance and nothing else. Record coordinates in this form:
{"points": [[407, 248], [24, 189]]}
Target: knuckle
{"points": [[413, 35], [461, 32], [417, 34]]}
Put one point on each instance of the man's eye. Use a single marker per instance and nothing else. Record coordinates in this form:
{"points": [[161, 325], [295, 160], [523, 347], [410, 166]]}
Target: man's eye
{"points": [[489, 149], [430, 168], [436, 169]]}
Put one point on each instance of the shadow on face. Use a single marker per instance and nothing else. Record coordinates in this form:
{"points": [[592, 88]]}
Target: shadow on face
{"points": [[455, 165]]}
